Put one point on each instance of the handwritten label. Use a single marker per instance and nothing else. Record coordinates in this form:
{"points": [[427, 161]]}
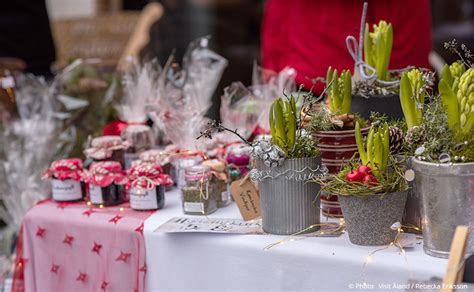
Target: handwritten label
{"points": [[193, 207], [247, 198], [66, 190], [143, 199], [213, 225], [95, 193]]}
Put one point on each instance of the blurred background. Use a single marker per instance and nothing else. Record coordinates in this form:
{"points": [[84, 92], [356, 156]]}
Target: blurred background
{"points": [[103, 28]]}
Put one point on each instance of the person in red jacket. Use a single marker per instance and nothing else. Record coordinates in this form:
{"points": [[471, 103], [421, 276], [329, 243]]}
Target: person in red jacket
{"points": [[309, 35]]}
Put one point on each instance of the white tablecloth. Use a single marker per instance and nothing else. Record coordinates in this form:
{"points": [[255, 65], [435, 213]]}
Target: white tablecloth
{"points": [[227, 262]]}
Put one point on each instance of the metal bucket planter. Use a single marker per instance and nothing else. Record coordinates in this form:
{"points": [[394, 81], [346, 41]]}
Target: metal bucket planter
{"points": [[446, 192], [336, 147], [412, 215], [289, 203], [388, 105], [369, 218]]}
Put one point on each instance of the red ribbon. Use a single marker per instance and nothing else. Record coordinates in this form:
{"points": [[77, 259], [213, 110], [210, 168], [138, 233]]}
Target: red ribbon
{"points": [[105, 173], [116, 127], [147, 176], [65, 169]]}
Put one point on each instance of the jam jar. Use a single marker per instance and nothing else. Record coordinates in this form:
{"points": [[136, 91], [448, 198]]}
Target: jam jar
{"points": [[197, 195]]}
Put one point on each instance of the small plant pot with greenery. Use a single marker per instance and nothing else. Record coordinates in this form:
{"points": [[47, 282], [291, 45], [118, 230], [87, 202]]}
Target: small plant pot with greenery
{"points": [[372, 190], [332, 128], [286, 165], [444, 160]]}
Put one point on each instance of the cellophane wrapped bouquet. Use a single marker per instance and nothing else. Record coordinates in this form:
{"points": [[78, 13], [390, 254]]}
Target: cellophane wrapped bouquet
{"points": [[186, 94], [28, 145], [240, 109], [267, 86]]}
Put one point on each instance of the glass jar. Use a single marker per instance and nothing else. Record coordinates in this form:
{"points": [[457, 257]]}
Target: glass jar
{"points": [[66, 180], [197, 194], [143, 199], [140, 138], [238, 159], [106, 148], [220, 182], [181, 164], [106, 180]]}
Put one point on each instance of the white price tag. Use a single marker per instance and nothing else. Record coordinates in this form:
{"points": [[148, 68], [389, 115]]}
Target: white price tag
{"points": [[66, 190], [194, 207]]}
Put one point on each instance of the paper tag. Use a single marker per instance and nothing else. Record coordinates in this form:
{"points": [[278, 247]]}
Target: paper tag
{"points": [[247, 198], [193, 207], [95, 193], [143, 199], [66, 190]]}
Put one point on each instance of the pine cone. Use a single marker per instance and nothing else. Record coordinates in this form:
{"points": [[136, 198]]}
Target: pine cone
{"points": [[415, 136], [396, 139]]}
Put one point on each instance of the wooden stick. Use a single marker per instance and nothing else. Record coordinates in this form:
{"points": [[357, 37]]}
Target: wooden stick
{"points": [[141, 35], [455, 271]]}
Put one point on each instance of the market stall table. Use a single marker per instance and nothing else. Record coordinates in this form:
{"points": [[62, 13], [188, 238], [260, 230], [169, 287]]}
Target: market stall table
{"points": [[230, 262], [75, 247]]}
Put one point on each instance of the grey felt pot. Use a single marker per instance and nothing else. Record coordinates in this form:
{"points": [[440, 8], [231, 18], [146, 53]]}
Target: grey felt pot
{"points": [[369, 218], [388, 105], [289, 204]]}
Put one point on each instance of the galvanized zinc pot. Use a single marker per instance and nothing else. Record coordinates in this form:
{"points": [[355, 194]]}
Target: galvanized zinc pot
{"points": [[411, 220], [446, 192], [289, 203], [369, 218]]}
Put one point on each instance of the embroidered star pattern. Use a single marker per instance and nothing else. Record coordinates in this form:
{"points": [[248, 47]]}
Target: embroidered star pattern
{"points": [[123, 256], [115, 219], [82, 277], [139, 229], [104, 285], [96, 248], [40, 231], [54, 268], [88, 212], [68, 239]]}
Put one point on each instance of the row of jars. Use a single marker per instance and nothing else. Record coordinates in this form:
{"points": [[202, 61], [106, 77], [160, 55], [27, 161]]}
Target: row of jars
{"points": [[105, 183]]}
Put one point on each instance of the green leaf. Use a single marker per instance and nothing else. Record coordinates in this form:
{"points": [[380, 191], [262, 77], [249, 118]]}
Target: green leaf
{"points": [[450, 103], [407, 102]]}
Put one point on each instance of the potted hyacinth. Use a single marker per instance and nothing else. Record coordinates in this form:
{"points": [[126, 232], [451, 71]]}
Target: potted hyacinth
{"points": [[443, 150], [372, 190], [332, 127], [415, 89], [284, 165], [379, 93]]}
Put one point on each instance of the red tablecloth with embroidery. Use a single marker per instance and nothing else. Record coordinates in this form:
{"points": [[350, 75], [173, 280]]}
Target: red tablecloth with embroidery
{"points": [[74, 247]]}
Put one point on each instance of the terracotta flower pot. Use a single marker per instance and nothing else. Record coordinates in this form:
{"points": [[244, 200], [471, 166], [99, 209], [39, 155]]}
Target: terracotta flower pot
{"points": [[336, 148]]}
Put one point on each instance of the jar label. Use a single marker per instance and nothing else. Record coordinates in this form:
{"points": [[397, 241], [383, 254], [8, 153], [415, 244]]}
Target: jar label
{"points": [[66, 190], [129, 158], [95, 193], [143, 199], [193, 207]]}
